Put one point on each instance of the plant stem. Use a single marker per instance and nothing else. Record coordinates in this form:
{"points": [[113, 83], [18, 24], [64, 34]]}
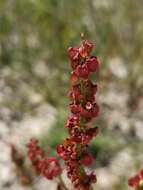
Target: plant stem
{"points": [[62, 183], [92, 188]]}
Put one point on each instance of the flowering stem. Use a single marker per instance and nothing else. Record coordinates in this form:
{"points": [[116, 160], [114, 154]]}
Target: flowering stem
{"points": [[62, 182], [83, 109], [92, 188]]}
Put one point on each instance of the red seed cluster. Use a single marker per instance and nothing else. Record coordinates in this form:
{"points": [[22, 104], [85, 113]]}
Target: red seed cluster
{"points": [[136, 181], [46, 166], [83, 110]]}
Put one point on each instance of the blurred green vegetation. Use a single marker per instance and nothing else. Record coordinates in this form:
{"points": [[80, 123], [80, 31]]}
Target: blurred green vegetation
{"points": [[33, 30]]}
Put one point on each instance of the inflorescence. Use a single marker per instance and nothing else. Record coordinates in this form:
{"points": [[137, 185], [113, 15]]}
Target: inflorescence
{"points": [[48, 167], [83, 110]]}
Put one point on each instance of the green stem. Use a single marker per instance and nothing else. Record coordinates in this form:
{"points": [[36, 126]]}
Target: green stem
{"points": [[62, 183], [92, 188]]}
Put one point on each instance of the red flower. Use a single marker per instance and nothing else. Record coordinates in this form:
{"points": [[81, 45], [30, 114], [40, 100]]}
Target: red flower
{"points": [[88, 46], [75, 93], [71, 122], [89, 114], [60, 151], [82, 71], [47, 166], [74, 108], [67, 150], [73, 54], [136, 181], [89, 134], [86, 159], [73, 79], [85, 49], [85, 113], [51, 168], [92, 64]]}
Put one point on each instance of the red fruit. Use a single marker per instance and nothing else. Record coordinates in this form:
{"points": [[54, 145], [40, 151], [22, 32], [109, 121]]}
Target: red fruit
{"points": [[141, 174], [91, 98], [83, 52], [89, 134], [51, 159], [68, 124], [85, 48], [71, 122], [74, 64], [86, 159], [84, 113], [46, 166], [92, 178], [51, 170], [88, 114], [82, 71], [73, 79], [134, 181], [53, 167], [93, 131], [74, 108], [73, 54], [75, 93], [92, 64], [60, 151], [88, 46], [131, 182]]}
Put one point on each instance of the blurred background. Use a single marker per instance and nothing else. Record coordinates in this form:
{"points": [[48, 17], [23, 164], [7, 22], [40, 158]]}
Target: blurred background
{"points": [[34, 72]]}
